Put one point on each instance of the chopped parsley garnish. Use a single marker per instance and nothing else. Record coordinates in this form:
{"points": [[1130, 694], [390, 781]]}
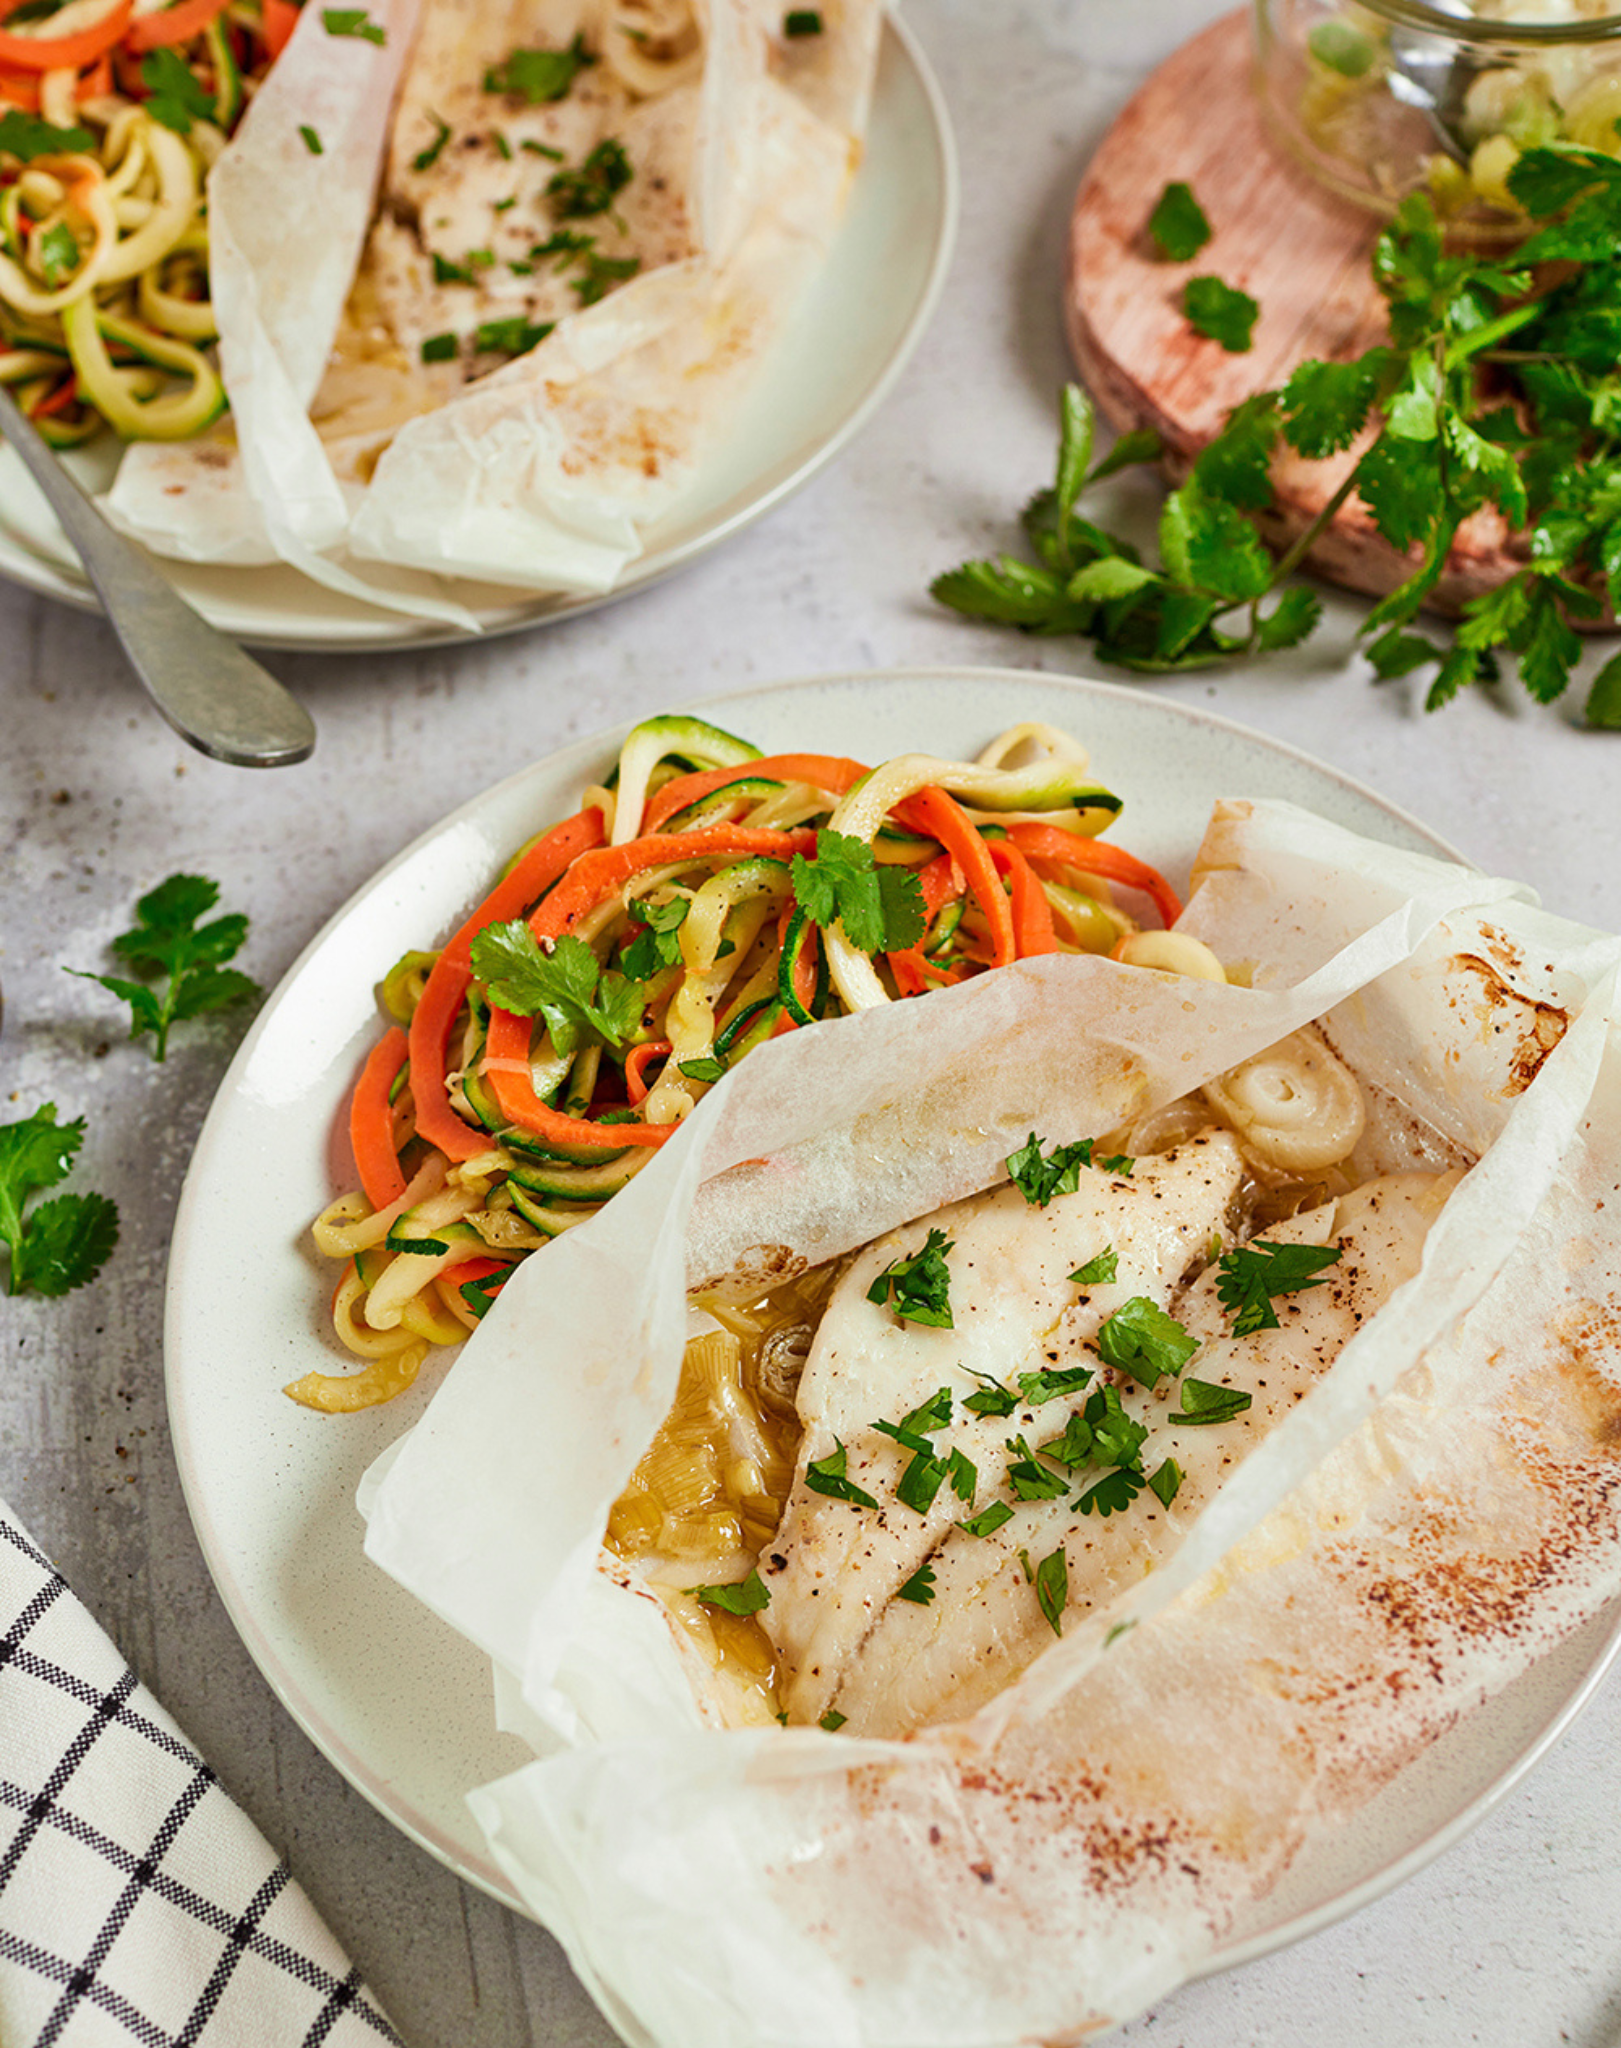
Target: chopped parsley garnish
{"points": [[703, 1070], [988, 1520], [827, 1476], [918, 1288], [516, 337], [168, 941], [1028, 1479], [878, 905], [1203, 1402], [993, 1399], [1098, 1272], [352, 21], [1113, 1493], [539, 75], [1051, 1581], [1100, 1433], [26, 136], [312, 141], [425, 159], [833, 1720], [544, 149], [1050, 1382], [932, 1414], [658, 944], [919, 1587], [563, 243], [801, 21], [1039, 1180], [439, 348], [580, 1002], [503, 148], [1178, 224], [1116, 1162], [599, 273], [1165, 1483], [593, 186], [744, 1596], [1141, 1339], [921, 1481], [503, 205], [66, 1241], [1253, 1275], [58, 252], [446, 272], [177, 97], [1220, 312]]}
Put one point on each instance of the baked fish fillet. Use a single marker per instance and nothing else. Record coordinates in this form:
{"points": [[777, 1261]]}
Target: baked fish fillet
{"points": [[890, 1665]]}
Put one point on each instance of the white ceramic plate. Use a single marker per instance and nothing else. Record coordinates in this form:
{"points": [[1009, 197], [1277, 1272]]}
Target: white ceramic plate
{"points": [[396, 1700], [849, 339]]}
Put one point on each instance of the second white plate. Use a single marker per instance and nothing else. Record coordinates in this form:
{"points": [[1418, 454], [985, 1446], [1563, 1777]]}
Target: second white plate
{"points": [[397, 1701], [848, 341]]}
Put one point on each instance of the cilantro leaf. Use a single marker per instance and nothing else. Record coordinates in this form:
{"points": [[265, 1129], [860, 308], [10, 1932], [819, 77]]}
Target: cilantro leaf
{"points": [[921, 1481], [1040, 1179], [879, 907], [352, 21], [1028, 1479], [988, 1520], [599, 273], [1098, 1272], [1141, 1339], [1165, 1482], [704, 1070], [991, 1400], [312, 141], [592, 186], [918, 1288], [1035, 1388], [1220, 312], [743, 1596], [568, 987], [26, 136], [426, 158], [1255, 1274], [167, 940], [932, 1414], [1204, 1402], [1051, 1581], [65, 1241], [1326, 405], [513, 337], [177, 97], [1178, 223], [919, 1587], [827, 1476], [833, 1720], [963, 1474], [1112, 1493], [539, 76]]}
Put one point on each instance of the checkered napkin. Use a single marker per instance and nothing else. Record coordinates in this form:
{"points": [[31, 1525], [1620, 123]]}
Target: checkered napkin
{"points": [[137, 1903]]}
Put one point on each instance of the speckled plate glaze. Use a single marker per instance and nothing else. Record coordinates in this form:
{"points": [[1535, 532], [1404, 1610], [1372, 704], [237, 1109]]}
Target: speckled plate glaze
{"points": [[398, 1702], [850, 337]]}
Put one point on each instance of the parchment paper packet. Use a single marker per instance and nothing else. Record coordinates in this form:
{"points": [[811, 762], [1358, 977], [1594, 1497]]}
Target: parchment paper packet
{"points": [[1439, 1510], [412, 453]]}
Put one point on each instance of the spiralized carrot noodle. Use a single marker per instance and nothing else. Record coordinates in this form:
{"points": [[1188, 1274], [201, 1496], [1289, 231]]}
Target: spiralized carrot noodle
{"points": [[692, 908]]}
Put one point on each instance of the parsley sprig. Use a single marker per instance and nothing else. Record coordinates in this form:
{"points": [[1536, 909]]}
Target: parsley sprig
{"points": [[168, 944], [1498, 387], [61, 1243]]}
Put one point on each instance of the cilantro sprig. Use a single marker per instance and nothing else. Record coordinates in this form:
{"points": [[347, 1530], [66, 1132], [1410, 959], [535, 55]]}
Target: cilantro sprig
{"points": [[177, 97], [581, 1002], [26, 136], [167, 945], [1254, 1275], [1498, 387], [60, 1244], [878, 905], [1141, 1339]]}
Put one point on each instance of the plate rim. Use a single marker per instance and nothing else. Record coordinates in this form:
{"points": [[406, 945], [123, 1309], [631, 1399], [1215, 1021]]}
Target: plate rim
{"points": [[396, 632], [269, 1659]]}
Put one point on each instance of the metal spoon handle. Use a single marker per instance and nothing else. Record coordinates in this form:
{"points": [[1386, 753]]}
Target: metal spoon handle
{"points": [[212, 693]]}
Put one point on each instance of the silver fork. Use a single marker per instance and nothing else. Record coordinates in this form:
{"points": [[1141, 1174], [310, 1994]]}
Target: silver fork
{"points": [[212, 693]]}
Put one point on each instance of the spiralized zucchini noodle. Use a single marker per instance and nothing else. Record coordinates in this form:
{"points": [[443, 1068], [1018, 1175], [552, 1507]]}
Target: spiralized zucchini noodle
{"points": [[111, 113], [706, 899]]}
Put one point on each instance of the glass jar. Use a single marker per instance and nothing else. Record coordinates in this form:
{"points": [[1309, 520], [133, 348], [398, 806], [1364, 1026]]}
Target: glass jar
{"points": [[1380, 98]]}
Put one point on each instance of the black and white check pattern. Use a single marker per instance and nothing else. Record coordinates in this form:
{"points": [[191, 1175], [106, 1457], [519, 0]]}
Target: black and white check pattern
{"points": [[137, 1903]]}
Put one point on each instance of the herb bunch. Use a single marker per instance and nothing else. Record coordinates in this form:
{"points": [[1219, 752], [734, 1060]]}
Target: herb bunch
{"points": [[1499, 386]]}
